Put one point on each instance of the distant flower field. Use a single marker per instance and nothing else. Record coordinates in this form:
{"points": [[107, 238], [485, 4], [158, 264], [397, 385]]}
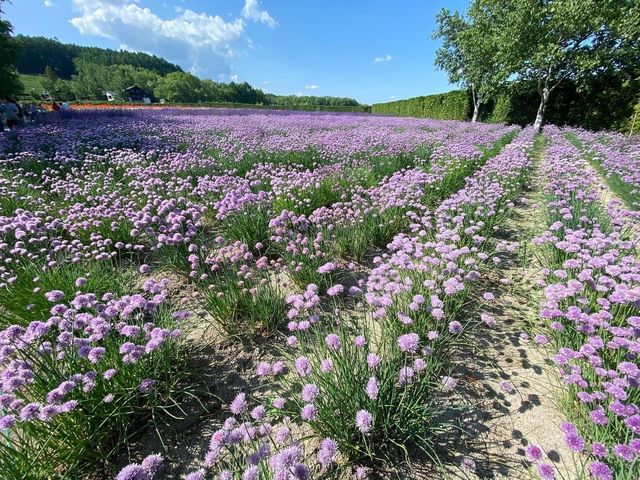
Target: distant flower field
{"points": [[365, 262]]}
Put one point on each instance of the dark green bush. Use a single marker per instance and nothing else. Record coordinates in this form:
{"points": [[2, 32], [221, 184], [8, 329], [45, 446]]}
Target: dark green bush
{"points": [[454, 105]]}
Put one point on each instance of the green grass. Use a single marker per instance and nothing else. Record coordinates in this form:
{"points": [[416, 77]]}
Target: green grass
{"points": [[31, 83]]}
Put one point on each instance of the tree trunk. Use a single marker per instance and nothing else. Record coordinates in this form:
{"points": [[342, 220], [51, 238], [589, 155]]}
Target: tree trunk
{"points": [[476, 109], [477, 100], [544, 98]]}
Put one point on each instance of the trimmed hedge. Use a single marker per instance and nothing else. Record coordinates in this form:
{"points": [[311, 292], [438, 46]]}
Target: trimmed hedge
{"points": [[605, 102], [454, 105]]}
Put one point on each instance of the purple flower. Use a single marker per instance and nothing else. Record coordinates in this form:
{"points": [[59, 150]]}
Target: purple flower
{"points": [[541, 339], [455, 327], [326, 452], [364, 421], [333, 341], [133, 472], [144, 269], [335, 290], [251, 473], [409, 342], [197, 475], [545, 471], [534, 453], [468, 463], [360, 341], [362, 473], [600, 471], [598, 416], [146, 385], [258, 412], [326, 365], [152, 463], [373, 360], [225, 475], [239, 404], [308, 412], [7, 421], [624, 452], [54, 295], [448, 383], [309, 392], [598, 450], [373, 388], [574, 441], [507, 386], [303, 366]]}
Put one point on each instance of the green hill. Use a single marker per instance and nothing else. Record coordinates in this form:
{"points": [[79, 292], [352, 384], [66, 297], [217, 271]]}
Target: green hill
{"points": [[35, 53], [31, 83]]}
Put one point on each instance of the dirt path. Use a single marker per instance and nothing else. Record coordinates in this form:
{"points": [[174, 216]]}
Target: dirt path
{"points": [[512, 385]]}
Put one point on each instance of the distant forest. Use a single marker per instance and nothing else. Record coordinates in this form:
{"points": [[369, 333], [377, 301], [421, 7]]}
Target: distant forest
{"points": [[36, 53], [73, 72]]}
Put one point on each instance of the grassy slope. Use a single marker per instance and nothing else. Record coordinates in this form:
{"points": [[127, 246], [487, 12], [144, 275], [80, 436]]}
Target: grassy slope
{"points": [[31, 83]]}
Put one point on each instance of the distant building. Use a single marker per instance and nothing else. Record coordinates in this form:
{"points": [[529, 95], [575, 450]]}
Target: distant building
{"points": [[137, 94], [110, 96]]}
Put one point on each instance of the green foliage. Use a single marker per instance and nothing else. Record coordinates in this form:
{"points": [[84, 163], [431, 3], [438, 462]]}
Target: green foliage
{"points": [[101, 278], [604, 102], [36, 53], [9, 79], [96, 70], [454, 105], [468, 55], [77, 444], [91, 80], [250, 226], [31, 84], [552, 41], [244, 303], [402, 417], [311, 100], [632, 125], [179, 87]]}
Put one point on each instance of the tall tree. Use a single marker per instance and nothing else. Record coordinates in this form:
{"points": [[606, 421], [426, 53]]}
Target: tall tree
{"points": [[179, 87], [49, 80], [468, 55], [550, 41], [9, 79]]}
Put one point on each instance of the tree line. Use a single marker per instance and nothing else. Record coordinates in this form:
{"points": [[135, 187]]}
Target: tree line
{"points": [[90, 82], [498, 45], [9, 79], [72, 72], [36, 53]]}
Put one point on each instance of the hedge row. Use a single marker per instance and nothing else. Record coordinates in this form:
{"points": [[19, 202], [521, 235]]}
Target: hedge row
{"points": [[455, 105], [605, 103]]}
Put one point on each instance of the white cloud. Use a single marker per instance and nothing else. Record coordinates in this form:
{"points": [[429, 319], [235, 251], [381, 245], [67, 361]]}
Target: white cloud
{"points": [[48, 3], [199, 42], [234, 77], [266, 82], [386, 58], [392, 97], [311, 87], [251, 11]]}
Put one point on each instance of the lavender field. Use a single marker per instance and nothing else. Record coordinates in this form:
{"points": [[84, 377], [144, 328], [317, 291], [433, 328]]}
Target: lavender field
{"points": [[211, 294]]}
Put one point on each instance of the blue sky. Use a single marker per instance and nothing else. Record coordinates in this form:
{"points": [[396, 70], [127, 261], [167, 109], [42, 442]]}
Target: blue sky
{"points": [[371, 50]]}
